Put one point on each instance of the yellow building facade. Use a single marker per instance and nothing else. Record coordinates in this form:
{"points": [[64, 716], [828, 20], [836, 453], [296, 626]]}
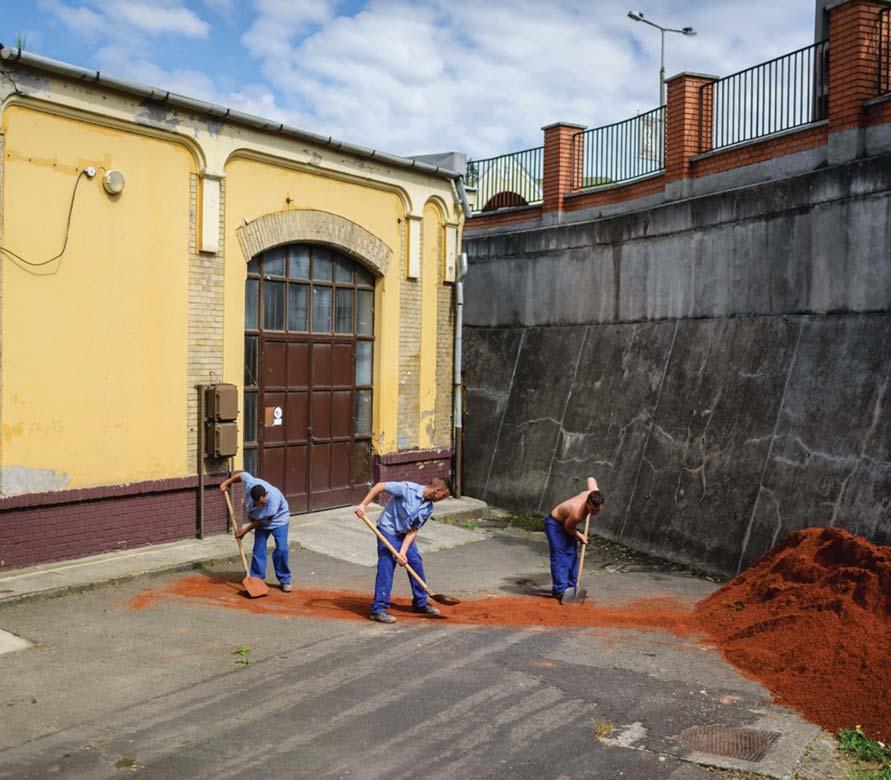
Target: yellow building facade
{"points": [[314, 276]]}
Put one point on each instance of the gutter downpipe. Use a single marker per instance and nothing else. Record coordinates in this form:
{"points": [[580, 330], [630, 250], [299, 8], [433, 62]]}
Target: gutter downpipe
{"points": [[458, 392]]}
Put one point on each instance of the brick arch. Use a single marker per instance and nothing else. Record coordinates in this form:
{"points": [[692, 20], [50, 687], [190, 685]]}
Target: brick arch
{"points": [[314, 227]]}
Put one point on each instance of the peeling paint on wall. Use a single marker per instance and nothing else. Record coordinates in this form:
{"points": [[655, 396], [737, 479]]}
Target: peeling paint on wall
{"points": [[16, 480]]}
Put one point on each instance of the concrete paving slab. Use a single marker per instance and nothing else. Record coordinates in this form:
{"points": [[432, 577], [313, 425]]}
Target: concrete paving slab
{"points": [[10, 643], [349, 539]]}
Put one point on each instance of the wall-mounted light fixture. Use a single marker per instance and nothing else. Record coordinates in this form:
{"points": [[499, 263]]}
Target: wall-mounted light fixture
{"points": [[114, 182]]}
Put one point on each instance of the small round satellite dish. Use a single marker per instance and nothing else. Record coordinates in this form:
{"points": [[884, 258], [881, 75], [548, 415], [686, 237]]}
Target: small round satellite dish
{"points": [[113, 181]]}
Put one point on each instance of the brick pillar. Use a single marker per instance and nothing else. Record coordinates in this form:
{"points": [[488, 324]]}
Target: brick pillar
{"points": [[688, 122], [562, 165], [853, 63]]}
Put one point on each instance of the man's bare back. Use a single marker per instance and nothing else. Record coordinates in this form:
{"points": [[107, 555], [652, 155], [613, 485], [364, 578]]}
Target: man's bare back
{"points": [[574, 511]]}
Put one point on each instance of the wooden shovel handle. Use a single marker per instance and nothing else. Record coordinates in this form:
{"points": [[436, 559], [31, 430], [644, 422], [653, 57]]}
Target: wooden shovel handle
{"points": [[393, 550], [247, 570], [578, 575]]}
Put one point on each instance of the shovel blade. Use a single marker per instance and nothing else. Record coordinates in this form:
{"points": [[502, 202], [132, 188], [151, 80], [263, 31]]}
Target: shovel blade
{"points": [[574, 596], [255, 587], [442, 598]]}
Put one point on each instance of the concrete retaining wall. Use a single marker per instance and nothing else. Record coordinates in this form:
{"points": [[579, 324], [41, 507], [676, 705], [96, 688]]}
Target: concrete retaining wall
{"points": [[722, 365]]}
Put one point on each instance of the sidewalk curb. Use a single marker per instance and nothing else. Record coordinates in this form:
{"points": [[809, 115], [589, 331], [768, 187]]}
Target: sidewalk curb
{"points": [[83, 587]]}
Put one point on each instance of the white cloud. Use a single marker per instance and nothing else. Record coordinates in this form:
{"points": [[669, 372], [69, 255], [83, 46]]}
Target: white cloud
{"points": [[128, 18], [484, 78], [411, 77], [154, 18]]}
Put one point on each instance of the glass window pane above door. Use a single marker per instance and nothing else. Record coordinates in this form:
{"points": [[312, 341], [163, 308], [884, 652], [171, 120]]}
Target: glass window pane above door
{"points": [[298, 308], [274, 262], [344, 270], [298, 262], [322, 265], [321, 309], [273, 305], [251, 304], [363, 362], [343, 310], [364, 312], [363, 277], [254, 265]]}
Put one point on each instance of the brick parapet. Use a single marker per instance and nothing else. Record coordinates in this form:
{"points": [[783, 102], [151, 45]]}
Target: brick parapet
{"points": [[617, 194], [854, 39], [853, 58], [687, 123], [760, 151], [562, 164]]}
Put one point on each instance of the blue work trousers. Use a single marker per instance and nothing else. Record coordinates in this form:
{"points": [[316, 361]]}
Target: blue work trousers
{"points": [[564, 556], [386, 565], [279, 555]]}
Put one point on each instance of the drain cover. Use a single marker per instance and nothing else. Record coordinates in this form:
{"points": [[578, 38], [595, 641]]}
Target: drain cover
{"points": [[729, 741]]}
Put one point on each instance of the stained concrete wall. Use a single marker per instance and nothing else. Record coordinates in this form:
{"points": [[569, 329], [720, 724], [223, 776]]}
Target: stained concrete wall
{"points": [[722, 365]]}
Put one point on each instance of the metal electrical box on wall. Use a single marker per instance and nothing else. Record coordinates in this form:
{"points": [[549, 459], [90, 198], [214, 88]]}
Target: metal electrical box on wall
{"points": [[221, 411], [222, 439], [221, 402]]}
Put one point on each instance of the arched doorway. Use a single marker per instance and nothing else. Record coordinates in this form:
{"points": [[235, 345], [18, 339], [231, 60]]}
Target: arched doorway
{"points": [[309, 343]]}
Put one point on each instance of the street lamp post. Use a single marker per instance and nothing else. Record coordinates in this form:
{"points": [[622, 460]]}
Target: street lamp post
{"points": [[688, 31]]}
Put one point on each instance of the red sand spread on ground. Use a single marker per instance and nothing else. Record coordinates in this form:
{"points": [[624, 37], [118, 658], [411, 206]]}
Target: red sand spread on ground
{"points": [[811, 620], [654, 614]]}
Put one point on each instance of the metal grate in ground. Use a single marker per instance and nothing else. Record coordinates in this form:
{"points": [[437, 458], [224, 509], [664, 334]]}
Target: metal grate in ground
{"points": [[729, 741]]}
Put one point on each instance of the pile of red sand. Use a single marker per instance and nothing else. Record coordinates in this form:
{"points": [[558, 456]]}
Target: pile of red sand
{"points": [[663, 614], [811, 620]]}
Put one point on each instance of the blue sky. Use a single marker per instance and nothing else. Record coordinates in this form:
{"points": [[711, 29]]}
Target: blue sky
{"points": [[411, 77]]}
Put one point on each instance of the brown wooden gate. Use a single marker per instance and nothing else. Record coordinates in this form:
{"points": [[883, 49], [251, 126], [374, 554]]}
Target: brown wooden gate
{"points": [[308, 378]]}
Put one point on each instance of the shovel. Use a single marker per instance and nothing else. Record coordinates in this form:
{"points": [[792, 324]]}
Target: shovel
{"points": [[441, 598], [577, 595], [254, 586]]}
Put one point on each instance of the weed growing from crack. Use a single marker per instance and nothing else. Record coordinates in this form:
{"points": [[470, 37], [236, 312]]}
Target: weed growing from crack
{"points": [[243, 654]]}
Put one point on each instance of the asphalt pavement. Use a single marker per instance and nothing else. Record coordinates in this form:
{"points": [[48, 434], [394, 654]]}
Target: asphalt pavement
{"points": [[111, 682]]}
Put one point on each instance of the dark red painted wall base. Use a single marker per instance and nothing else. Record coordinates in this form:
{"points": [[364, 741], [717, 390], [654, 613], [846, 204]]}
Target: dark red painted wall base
{"points": [[416, 466], [43, 527]]}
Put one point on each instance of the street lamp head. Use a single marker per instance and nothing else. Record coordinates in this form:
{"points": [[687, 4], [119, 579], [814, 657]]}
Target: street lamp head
{"points": [[638, 17], [689, 31]]}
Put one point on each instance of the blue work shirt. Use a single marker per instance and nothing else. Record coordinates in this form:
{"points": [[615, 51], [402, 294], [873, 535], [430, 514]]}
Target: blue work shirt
{"points": [[275, 512], [406, 509]]}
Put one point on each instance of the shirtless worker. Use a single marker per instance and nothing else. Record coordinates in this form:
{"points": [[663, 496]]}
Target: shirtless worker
{"points": [[561, 528]]}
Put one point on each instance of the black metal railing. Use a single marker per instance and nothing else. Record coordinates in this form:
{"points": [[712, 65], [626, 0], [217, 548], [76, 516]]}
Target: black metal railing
{"points": [[622, 151], [782, 94], [513, 179], [883, 83]]}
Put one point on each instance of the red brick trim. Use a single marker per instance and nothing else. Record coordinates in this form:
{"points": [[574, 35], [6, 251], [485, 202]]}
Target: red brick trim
{"points": [[504, 217], [414, 466], [414, 456], [614, 194], [878, 111], [739, 156]]}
